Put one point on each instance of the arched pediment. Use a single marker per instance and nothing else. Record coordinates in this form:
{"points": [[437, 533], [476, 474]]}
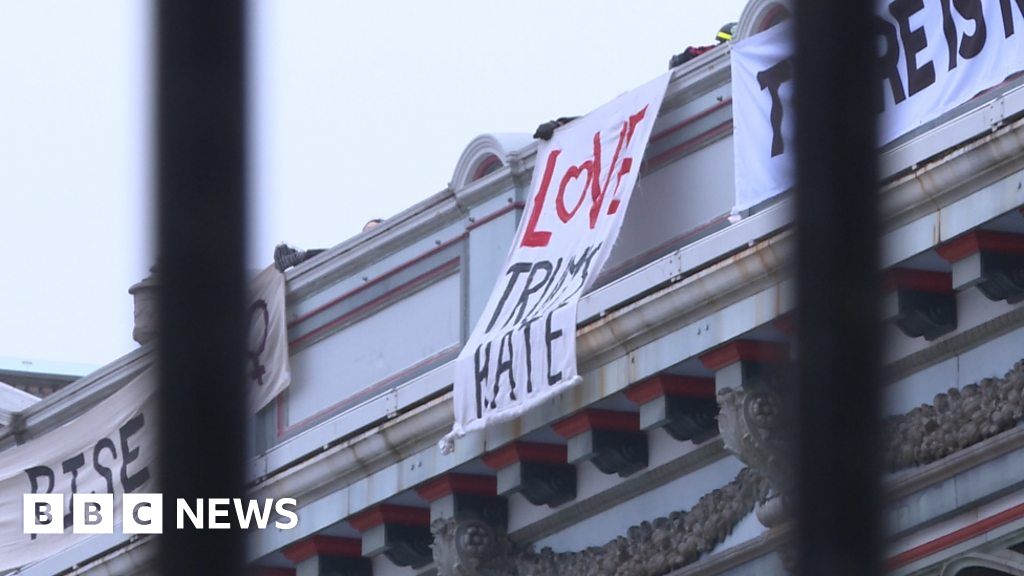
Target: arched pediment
{"points": [[485, 154], [760, 15]]}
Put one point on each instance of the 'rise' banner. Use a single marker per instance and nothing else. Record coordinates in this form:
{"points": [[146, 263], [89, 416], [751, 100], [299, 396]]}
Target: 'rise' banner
{"points": [[934, 55], [109, 449], [523, 348]]}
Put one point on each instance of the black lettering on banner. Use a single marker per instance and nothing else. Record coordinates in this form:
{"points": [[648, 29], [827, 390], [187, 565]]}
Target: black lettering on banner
{"points": [[104, 444], [1007, 8], [530, 289], [35, 473], [480, 373], [921, 76], [889, 62], [514, 271], [582, 266], [547, 287], [576, 267], [549, 337], [260, 314], [72, 466], [771, 79], [504, 365], [129, 455], [949, 31], [529, 355], [970, 46]]}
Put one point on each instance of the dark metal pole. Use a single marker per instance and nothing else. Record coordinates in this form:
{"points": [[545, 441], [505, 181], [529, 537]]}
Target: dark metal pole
{"points": [[201, 180], [838, 479]]}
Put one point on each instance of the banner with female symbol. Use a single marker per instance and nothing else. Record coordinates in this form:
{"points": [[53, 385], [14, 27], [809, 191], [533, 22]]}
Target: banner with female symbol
{"points": [[267, 366]]}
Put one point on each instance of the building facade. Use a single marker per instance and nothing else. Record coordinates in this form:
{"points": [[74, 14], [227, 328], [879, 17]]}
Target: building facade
{"points": [[669, 457]]}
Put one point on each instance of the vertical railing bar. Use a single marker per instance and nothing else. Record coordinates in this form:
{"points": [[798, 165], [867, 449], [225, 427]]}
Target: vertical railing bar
{"points": [[838, 473], [201, 181]]}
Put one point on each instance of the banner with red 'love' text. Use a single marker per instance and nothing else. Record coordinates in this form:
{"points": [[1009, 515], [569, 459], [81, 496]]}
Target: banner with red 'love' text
{"points": [[523, 348]]}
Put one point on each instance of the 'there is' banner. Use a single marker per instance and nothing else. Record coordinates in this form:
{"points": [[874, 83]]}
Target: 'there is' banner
{"points": [[934, 55]]}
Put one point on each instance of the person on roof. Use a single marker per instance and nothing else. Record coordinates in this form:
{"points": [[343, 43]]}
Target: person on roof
{"points": [[724, 34]]}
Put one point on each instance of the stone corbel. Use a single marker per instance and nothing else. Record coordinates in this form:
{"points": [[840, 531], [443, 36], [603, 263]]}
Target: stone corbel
{"points": [[611, 440], [753, 419], [324, 556], [538, 471], [470, 525], [400, 533], [920, 302], [992, 261], [684, 406]]}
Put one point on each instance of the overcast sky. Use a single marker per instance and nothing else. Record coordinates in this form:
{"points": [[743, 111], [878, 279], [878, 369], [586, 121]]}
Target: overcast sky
{"points": [[361, 109]]}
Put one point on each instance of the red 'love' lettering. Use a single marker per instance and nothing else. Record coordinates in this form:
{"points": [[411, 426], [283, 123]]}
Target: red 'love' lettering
{"points": [[535, 238]]}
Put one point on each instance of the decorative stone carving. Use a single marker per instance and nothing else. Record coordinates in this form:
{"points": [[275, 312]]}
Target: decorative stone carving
{"points": [[468, 545], [755, 426], [955, 420], [654, 548]]}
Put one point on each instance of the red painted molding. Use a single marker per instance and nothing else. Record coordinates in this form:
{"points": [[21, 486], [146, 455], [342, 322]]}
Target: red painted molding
{"points": [[918, 281], [323, 546], [495, 215], [670, 385], [953, 538], [981, 240], [390, 514], [381, 277], [745, 350], [686, 122], [692, 143], [442, 270], [458, 484], [525, 452], [586, 420]]}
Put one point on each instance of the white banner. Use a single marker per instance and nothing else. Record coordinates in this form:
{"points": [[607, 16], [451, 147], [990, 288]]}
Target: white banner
{"points": [[523, 348], [268, 367], [934, 55], [109, 449]]}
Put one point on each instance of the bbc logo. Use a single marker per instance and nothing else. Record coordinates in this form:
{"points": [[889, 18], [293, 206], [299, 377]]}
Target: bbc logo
{"points": [[92, 513]]}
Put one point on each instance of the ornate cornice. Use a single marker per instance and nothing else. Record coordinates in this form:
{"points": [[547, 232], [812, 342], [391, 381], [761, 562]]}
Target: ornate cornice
{"points": [[471, 547], [956, 419]]}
